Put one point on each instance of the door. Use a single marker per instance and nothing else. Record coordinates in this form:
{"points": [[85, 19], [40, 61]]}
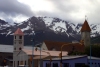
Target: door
{"points": [[21, 63]]}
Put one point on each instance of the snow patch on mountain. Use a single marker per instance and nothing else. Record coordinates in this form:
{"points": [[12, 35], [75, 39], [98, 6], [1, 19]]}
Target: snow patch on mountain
{"points": [[27, 28], [60, 25], [8, 33], [95, 28], [67, 34], [48, 21]]}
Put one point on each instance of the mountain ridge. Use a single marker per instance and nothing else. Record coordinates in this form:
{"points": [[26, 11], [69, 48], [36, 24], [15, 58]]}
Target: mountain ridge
{"points": [[59, 29]]}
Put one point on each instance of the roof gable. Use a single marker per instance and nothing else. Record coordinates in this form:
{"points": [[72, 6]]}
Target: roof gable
{"points": [[57, 46], [85, 27], [18, 32]]}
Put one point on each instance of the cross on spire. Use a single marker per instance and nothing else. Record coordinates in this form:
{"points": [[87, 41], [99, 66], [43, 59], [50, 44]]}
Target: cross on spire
{"points": [[86, 18]]}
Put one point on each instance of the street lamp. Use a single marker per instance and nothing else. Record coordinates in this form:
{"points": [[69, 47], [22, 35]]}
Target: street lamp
{"points": [[40, 54], [49, 56], [33, 40], [61, 52], [37, 35]]}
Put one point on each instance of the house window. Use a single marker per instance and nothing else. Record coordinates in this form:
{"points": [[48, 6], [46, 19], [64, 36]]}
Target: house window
{"points": [[20, 37], [55, 64], [47, 64], [66, 64], [11, 61], [79, 64], [10, 57]]}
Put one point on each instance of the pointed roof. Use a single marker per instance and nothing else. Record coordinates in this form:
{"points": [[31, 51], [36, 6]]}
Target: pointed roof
{"points": [[18, 32], [85, 27]]}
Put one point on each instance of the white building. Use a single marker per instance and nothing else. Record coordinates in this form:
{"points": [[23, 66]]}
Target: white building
{"points": [[22, 55]]}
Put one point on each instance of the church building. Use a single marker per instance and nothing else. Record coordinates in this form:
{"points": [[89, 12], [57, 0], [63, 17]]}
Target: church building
{"points": [[22, 56]]}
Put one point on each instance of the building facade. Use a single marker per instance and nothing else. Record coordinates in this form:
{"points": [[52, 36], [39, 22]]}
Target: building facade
{"points": [[73, 61]]}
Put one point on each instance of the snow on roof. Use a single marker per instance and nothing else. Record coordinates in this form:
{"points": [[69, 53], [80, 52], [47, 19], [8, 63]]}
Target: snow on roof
{"points": [[9, 48], [28, 50], [69, 57], [45, 52]]}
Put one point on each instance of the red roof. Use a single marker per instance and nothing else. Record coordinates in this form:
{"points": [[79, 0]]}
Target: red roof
{"points": [[18, 32], [85, 27], [57, 46]]}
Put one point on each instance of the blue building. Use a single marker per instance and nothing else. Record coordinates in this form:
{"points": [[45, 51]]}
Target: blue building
{"points": [[73, 61], [95, 62]]}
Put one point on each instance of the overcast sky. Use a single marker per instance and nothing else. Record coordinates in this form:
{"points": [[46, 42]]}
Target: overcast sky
{"points": [[70, 10]]}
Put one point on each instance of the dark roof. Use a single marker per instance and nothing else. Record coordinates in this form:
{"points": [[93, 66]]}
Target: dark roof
{"points": [[85, 27], [69, 48]]}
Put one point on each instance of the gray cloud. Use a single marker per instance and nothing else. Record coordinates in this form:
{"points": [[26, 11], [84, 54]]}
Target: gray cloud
{"points": [[13, 8], [70, 10], [66, 8]]}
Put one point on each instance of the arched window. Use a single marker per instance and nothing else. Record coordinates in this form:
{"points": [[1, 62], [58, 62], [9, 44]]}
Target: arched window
{"points": [[15, 37], [20, 48], [20, 37]]}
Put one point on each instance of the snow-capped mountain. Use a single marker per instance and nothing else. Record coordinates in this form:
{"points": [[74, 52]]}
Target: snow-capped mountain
{"points": [[52, 28]]}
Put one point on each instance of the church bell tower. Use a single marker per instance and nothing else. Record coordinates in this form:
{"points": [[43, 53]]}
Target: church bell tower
{"points": [[18, 40], [85, 33], [18, 45]]}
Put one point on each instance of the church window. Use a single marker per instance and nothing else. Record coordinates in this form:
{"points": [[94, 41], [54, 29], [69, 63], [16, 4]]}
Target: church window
{"points": [[15, 37], [18, 62], [20, 48], [15, 42], [20, 42], [25, 62], [20, 37], [14, 48]]}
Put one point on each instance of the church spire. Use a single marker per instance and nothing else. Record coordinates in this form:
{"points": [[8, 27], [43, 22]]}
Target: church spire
{"points": [[18, 32], [85, 26]]}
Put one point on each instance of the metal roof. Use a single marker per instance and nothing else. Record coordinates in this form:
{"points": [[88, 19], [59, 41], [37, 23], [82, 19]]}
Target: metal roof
{"points": [[69, 57], [96, 58], [46, 52], [9, 48]]}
